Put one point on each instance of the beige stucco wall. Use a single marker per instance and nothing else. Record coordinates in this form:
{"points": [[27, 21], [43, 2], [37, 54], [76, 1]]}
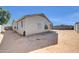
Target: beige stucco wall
{"points": [[14, 25], [34, 24], [20, 28], [76, 28]]}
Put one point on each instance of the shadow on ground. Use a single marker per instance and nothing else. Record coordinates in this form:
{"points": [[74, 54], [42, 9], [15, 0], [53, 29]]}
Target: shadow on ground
{"points": [[12, 42]]}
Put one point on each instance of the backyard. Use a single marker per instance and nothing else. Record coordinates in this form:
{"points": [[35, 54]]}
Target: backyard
{"points": [[68, 41]]}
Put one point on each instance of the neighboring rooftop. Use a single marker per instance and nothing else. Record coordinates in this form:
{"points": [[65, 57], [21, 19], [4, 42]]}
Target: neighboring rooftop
{"points": [[77, 22]]}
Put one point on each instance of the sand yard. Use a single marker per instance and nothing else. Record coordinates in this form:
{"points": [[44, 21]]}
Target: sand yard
{"points": [[68, 41], [12, 42]]}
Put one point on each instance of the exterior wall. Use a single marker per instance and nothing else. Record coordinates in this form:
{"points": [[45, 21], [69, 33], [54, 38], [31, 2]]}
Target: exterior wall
{"points": [[35, 25], [2, 28], [32, 25], [76, 27], [14, 26], [20, 28]]}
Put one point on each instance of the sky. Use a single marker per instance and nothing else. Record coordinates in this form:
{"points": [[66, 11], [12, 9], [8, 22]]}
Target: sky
{"points": [[56, 14]]}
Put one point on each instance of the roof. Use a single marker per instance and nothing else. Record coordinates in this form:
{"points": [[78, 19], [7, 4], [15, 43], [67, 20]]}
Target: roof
{"points": [[34, 15], [77, 22]]}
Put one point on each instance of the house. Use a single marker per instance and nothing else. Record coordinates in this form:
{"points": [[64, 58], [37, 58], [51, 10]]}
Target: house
{"points": [[8, 28], [31, 24], [76, 27]]}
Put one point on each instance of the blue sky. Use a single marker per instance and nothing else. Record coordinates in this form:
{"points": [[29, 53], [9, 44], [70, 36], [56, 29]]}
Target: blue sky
{"points": [[56, 14]]}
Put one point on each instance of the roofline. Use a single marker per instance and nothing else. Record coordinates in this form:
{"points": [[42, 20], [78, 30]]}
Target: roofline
{"points": [[77, 23], [35, 15]]}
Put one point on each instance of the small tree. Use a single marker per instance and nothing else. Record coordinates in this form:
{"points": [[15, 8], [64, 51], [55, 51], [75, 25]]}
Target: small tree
{"points": [[4, 16]]}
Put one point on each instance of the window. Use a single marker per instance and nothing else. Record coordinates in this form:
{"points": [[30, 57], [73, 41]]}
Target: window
{"points": [[46, 27]]}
